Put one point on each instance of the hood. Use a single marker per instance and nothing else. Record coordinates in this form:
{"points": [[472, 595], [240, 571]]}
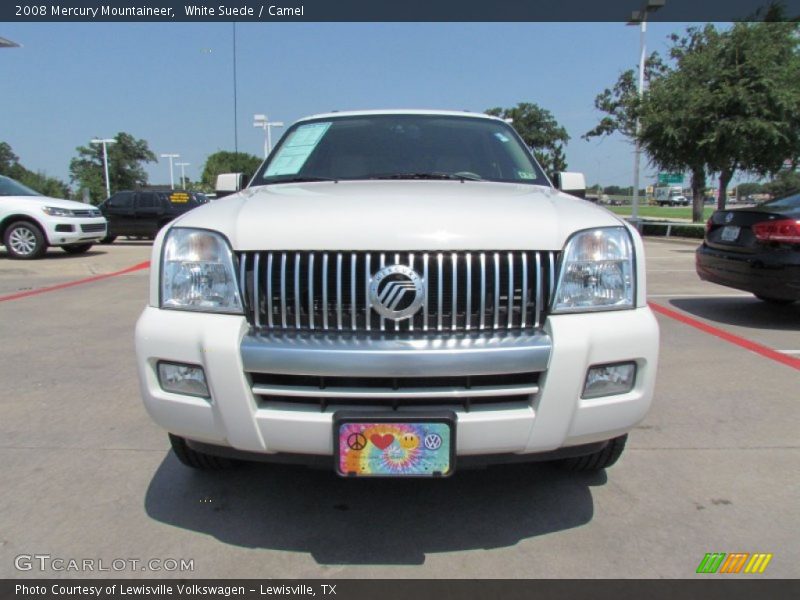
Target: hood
{"points": [[398, 215], [54, 202]]}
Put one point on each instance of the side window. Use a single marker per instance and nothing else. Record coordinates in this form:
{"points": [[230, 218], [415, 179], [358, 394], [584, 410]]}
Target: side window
{"points": [[121, 200], [146, 200]]}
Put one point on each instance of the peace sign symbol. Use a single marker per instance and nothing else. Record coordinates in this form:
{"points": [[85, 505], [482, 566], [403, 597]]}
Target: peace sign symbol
{"points": [[356, 441]]}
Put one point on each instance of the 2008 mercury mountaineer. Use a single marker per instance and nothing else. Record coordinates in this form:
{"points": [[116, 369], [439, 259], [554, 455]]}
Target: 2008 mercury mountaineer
{"points": [[396, 293]]}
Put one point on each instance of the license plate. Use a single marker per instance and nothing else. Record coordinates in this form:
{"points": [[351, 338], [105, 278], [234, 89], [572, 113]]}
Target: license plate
{"points": [[380, 446], [729, 233]]}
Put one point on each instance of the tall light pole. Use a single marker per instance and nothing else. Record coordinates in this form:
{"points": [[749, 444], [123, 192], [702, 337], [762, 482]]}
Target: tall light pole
{"points": [[4, 43], [171, 179], [267, 125], [183, 175], [105, 160], [639, 17]]}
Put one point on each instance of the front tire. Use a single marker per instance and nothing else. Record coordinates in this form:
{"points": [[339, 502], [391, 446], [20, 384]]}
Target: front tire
{"points": [[109, 239], [599, 460], [76, 248], [24, 241], [197, 460]]}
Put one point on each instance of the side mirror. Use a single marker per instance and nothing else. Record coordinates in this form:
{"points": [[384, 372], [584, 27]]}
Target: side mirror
{"points": [[229, 183], [571, 183]]}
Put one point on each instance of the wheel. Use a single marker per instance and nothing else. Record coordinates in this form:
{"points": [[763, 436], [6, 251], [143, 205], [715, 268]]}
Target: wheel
{"points": [[599, 460], [197, 460], [24, 241], [109, 239], [76, 248], [776, 301]]}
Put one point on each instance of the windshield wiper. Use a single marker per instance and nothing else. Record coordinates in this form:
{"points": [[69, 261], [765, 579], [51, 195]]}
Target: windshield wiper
{"points": [[300, 179], [461, 175]]}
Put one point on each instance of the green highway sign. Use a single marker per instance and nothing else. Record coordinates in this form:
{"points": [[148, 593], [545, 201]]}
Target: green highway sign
{"points": [[670, 178]]}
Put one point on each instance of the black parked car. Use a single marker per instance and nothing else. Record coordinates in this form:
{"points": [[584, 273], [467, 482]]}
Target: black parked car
{"points": [[143, 213], [755, 249]]}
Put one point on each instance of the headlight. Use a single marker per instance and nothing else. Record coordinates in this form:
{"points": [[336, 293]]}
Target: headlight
{"points": [[197, 272], [57, 212], [597, 272]]}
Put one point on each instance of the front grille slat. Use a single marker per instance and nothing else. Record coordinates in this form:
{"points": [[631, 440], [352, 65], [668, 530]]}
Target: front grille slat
{"points": [[496, 299], [256, 307], [464, 291], [539, 287]]}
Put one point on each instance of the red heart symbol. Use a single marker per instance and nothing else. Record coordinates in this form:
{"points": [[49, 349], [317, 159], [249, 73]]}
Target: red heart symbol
{"points": [[382, 441]]}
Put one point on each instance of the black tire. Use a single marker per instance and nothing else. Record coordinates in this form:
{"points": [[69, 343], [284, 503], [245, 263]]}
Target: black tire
{"points": [[76, 248], [775, 301], [197, 460], [109, 239], [24, 241], [599, 460]]}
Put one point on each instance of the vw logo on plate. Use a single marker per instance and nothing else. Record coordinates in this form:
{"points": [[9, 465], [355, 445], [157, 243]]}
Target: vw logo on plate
{"points": [[396, 292]]}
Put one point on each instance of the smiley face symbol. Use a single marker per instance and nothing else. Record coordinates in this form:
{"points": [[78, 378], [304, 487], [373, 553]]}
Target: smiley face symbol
{"points": [[409, 441]]}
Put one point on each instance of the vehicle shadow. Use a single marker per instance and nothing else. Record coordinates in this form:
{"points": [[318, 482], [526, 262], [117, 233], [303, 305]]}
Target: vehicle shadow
{"points": [[743, 311], [365, 522]]}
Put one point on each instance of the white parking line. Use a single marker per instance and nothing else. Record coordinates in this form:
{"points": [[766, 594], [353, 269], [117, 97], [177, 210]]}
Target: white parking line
{"points": [[671, 270], [790, 351]]}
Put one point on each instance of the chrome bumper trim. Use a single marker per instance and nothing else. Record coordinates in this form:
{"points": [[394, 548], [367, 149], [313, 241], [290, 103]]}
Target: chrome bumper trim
{"points": [[366, 356]]}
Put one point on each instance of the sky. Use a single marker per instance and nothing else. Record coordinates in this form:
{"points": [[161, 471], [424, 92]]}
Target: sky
{"points": [[172, 83]]}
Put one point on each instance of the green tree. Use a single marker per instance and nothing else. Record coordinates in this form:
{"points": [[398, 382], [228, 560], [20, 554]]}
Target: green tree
{"points": [[786, 182], [229, 162], [540, 131], [11, 167], [126, 158], [729, 101]]}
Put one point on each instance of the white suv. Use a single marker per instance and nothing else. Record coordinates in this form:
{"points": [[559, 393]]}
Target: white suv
{"points": [[394, 294], [30, 222]]}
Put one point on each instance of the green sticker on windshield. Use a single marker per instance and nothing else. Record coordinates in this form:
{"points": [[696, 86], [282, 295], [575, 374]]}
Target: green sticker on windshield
{"points": [[293, 153], [525, 174]]}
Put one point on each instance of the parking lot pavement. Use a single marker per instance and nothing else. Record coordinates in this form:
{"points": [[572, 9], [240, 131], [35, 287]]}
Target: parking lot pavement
{"points": [[58, 267], [86, 475], [673, 283]]}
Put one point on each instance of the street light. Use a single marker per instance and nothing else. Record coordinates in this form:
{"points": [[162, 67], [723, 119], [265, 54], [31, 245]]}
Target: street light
{"points": [[639, 17], [170, 157], [183, 175], [266, 125], [105, 160], [4, 43]]}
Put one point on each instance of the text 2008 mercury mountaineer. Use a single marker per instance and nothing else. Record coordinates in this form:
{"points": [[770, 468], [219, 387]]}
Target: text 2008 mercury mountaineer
{"points": [[394, 294]]}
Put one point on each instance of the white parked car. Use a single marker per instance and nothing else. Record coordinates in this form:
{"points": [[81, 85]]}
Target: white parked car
{"points": [[30, 222], [398, 293]]}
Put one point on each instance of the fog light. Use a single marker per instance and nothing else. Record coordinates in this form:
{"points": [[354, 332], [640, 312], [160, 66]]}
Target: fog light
{"points": [[183, 379], [607, 380]]}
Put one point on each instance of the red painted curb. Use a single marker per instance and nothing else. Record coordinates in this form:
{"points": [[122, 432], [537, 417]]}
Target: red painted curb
{"points": [[728, 337], [61, 286]]}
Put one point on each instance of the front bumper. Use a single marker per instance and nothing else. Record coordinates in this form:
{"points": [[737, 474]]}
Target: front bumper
{"points": [[547, 417], [773, 274], [63, 231]]}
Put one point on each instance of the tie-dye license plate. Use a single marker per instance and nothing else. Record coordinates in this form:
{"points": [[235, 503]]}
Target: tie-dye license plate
{"points": [[383, 448]]}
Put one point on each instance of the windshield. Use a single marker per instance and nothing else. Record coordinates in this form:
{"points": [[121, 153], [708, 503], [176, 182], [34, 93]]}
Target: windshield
{"points": [[787, 203], [9, 187], [401, 147]]}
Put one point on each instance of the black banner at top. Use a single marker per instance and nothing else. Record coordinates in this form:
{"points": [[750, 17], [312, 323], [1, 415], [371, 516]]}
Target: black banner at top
{"points": [[387, 10]]}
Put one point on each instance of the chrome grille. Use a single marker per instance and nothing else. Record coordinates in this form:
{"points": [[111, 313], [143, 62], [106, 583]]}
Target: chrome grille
{"points": [[329, 291], [92, 227]]}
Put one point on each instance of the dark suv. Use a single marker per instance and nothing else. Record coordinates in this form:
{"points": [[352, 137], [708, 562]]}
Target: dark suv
{"points": [[142, 213]]}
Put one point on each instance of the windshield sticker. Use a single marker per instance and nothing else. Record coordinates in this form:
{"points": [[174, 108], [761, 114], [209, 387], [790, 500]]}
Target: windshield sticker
{"points": [[525, 174], [502, 137], [296, 150]]}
